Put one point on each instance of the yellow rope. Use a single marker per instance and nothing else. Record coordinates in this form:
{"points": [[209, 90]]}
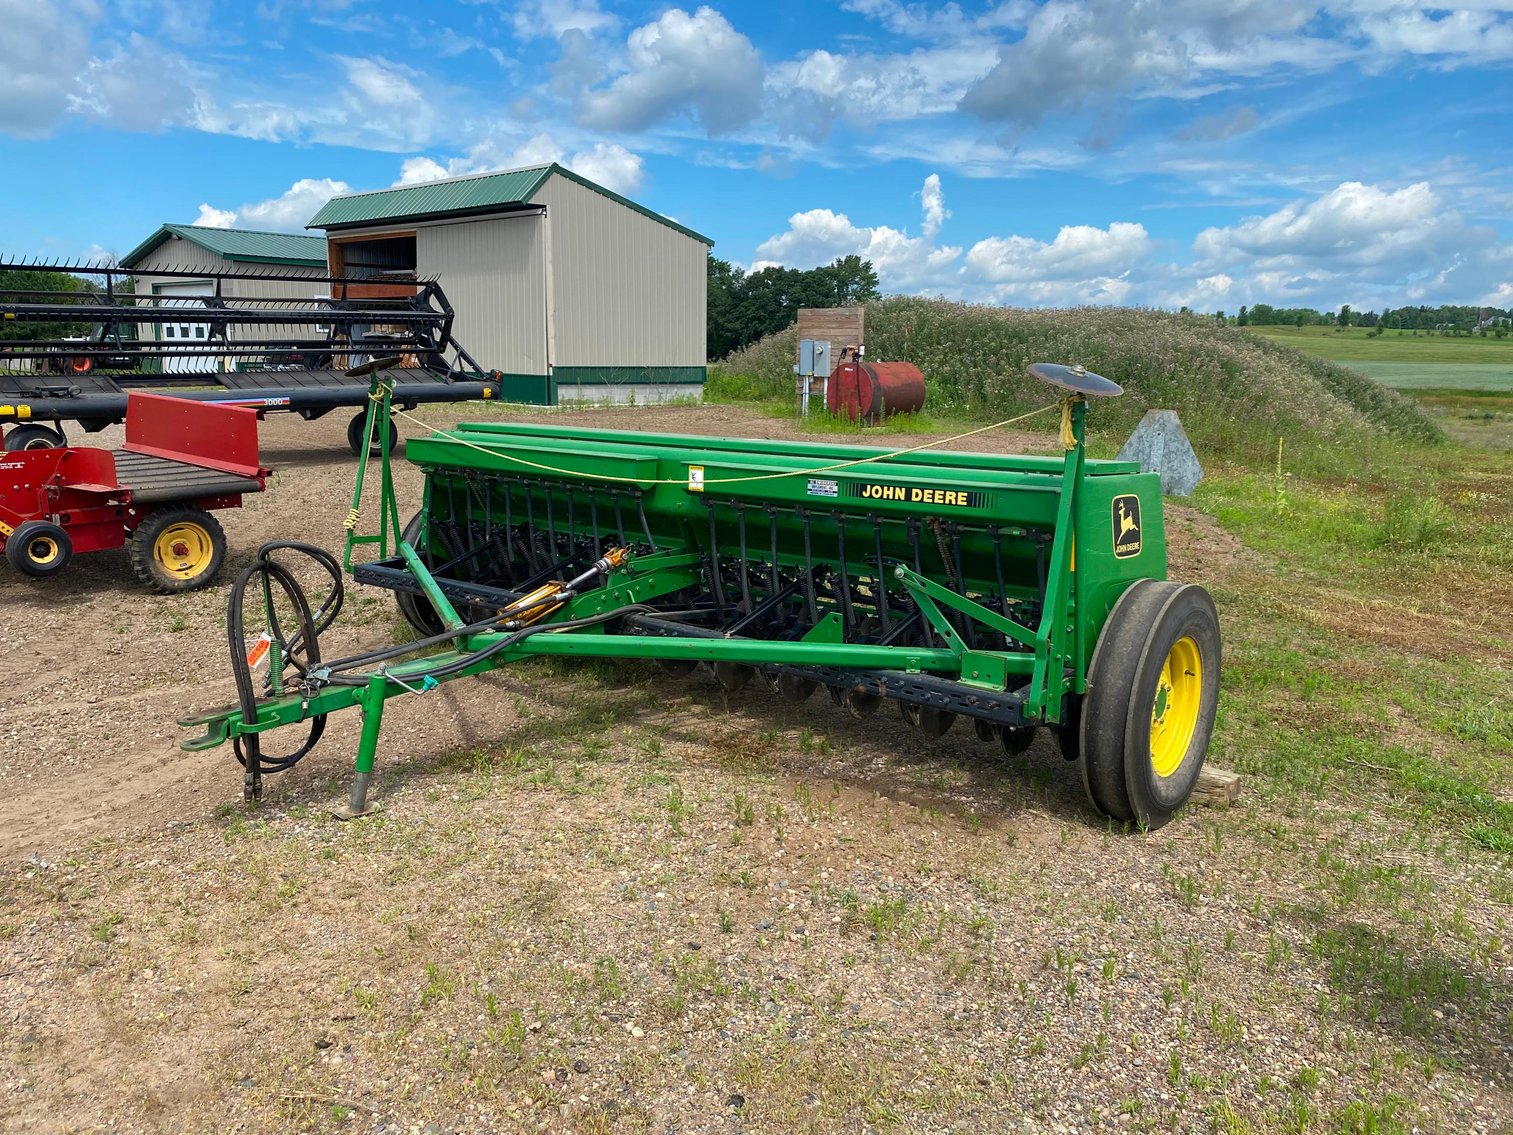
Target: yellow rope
{"points": [[1068, 438], [352, 517], [1065, 426]]}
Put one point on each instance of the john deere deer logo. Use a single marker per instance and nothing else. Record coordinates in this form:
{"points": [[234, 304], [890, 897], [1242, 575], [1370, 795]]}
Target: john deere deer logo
{"points": [[1126, 526]]}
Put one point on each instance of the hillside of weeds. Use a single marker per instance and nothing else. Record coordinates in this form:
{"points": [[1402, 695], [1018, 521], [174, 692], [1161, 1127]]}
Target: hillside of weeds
{"points": [[1236, 392]]}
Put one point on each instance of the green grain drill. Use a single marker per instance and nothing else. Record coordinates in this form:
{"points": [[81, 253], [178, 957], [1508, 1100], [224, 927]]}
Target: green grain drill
{"points": [[1018, 592]]}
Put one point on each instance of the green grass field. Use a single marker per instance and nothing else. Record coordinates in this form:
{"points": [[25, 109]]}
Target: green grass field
{"points": [[1355, 344], [1437, 376]]}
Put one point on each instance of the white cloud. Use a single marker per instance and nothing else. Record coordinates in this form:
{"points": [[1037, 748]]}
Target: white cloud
{"points": [[382, 108], [1500, 296], [941, 21], [416, 170], [608, 163], [551, 18], [682, 64], [46, 48], [1077, 52], [932, 202], [818, 236], [816, 90], [1351, 225], [611, 165], [288, 212], [1461, 33], [1079, 252], [212, 218]]}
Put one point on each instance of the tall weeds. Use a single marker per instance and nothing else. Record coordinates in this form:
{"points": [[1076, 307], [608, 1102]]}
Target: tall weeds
{"points": [[1236, 393]]}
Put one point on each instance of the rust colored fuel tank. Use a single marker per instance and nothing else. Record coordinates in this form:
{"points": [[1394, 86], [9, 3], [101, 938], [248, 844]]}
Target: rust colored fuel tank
{"points": [[873, 390]]}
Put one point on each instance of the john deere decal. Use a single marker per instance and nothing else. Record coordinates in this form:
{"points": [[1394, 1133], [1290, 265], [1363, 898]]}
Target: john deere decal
{"points": [[918, 494], [1126, 526]]}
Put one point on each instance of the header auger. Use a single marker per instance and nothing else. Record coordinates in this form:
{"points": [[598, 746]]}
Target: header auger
{"points": [[1020, 592]]}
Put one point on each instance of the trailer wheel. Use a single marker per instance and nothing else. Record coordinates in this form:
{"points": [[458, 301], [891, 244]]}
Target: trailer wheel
{"points": [[178, 548], [356, 429], [1153, 689], [39, 548], [33, 437]]}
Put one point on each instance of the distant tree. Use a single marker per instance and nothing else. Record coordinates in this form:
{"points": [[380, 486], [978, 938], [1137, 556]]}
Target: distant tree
{"points": [[1219, 315], [743, 307], [1344, 317], [1243, 319], [16, 281]]}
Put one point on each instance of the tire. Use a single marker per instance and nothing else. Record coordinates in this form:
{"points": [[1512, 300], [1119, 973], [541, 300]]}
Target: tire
{"points": [[356, 430], [178, 548], [39, 548], [1137, 761], [33, 437]]}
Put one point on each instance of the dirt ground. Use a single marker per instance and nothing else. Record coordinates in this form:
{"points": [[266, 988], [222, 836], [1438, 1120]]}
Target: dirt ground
{"points": [[604, 900]]}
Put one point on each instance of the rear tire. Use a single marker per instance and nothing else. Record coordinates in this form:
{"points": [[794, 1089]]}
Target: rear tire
{"points": [[178, 548], [1153, 686], [33, 437], [39, 548], [357, 432]]}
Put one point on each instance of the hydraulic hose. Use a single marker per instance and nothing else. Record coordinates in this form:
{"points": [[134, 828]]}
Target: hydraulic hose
{"points": [[301, 649]]}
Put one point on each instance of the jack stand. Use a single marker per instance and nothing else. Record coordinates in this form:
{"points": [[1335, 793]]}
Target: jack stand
{"points": [[367, 748]]}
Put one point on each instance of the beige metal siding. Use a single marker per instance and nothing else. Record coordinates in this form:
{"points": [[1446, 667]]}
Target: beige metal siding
{"points": [[494, 275], [626, 290], [178, 254]]}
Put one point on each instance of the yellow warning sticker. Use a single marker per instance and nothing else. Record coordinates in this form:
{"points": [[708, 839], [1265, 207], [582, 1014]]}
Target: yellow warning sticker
{"points": [[696, 478]]}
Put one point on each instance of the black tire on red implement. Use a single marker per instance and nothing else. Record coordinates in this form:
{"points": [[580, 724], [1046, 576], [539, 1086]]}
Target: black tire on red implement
{"points": [[39, 548]]}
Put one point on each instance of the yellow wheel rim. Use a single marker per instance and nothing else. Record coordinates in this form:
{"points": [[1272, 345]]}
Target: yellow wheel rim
{"points": [[183, 550], [43, 550], [1174, 711]]}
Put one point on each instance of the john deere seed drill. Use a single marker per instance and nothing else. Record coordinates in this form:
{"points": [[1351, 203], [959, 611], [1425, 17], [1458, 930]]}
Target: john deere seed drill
{"points": [[1022, 593]]}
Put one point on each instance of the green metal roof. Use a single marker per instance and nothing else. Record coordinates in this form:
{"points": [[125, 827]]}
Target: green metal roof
{"points": [[246, 246], [476, 194]]}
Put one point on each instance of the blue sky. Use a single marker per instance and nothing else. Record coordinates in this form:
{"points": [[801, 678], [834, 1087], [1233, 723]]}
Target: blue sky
{"points": [[1160, 152]]}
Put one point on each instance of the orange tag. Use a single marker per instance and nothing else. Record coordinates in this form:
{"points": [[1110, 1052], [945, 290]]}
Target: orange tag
{"points": [[258, 654]]}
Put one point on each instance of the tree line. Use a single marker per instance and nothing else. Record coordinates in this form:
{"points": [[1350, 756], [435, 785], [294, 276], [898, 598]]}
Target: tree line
{"points": [[1462, 319], [745, 306]]}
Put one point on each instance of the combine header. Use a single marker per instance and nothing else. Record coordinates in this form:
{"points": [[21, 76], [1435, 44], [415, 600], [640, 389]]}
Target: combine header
{"points": [[1019, 592], [253, 338]]}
